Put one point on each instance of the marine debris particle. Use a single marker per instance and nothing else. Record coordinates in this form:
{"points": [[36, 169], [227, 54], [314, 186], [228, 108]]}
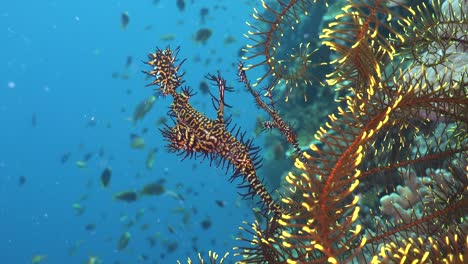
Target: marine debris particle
{"points": [[140, 214], [81, 164], [175, 195], [128, 63], [206, 224], [153, 239], [204, 87], [90, 227], [124, 20], [172, 246], [143, 108], [64, 158], [150, 159], [220, 203], [105, 177], [203, 13], [154, 188], [186, 217], [145, 227], [181, 5], [171, 229], [38, 258], [178, 210], [87, 156], [89, 183], [34, 120], [126, 196], [123, 241], [101, 152], [229, 39], [202, 35], [167, 37], [136, 141], [162, 120], [21, 180], [93, 260], [79, 209], [72, 250]]}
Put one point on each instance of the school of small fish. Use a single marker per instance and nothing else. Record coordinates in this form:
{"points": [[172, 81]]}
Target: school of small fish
{"points": [[104, 172]]}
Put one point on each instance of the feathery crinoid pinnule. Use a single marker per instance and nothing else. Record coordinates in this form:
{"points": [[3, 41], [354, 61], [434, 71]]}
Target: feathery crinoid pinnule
{"points": [[213, 258], [288, 66]]}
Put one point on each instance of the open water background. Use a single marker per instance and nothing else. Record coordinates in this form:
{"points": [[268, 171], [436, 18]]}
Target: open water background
{"points": [[57, 61]]}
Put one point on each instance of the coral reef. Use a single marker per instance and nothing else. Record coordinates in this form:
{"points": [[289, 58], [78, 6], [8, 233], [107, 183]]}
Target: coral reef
{"points": [[386, 177], [405, 116]]}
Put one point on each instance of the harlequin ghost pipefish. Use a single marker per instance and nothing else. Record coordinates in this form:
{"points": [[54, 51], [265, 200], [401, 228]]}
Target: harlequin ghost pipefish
{"points": [[195, 135]]}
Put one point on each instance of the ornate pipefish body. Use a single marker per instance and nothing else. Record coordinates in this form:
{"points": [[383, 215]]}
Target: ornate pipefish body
{"points": [[276, 121], [196, 135]]}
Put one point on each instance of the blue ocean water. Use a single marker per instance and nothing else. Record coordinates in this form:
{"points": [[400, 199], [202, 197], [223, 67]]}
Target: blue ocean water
{"points": [[66, 90]]}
